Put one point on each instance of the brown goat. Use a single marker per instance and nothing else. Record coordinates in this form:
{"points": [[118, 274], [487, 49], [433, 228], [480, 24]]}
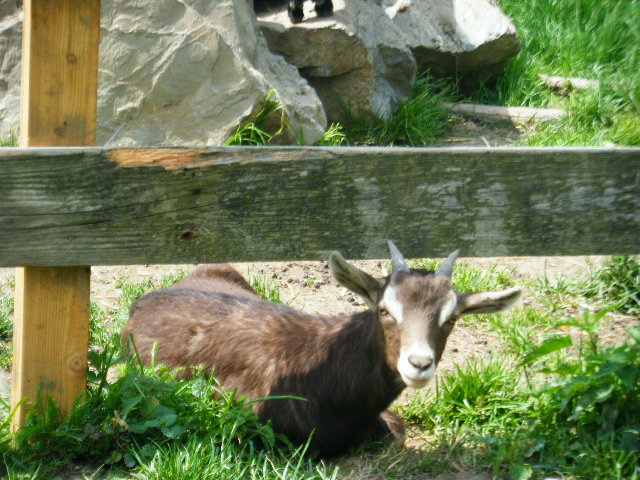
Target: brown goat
{"points": [[348, 368]]}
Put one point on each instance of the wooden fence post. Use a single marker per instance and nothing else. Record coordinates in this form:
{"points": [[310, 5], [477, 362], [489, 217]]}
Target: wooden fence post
{"points": [[58, 108]]}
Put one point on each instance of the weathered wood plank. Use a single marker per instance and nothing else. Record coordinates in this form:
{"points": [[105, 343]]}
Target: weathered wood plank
{"points": [[58, 107], [94, 206]]}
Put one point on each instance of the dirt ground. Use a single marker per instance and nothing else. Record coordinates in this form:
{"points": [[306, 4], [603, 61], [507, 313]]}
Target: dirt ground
{"points": [[308, 286]]}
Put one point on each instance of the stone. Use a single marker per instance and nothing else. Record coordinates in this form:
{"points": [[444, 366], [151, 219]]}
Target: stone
{"points": [[450, 37], [174, 72], [10, 68], [357, 58], [188, 72]]}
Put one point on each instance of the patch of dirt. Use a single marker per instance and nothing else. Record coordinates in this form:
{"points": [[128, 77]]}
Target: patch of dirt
{"points": [[309, 286], [473, 132]]}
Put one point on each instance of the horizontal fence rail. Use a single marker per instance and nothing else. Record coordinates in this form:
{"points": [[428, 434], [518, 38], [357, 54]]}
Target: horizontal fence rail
{"points": [[96, 206]]}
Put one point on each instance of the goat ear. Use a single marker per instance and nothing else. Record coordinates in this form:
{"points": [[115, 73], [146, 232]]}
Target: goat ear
{"points": [[487, 302], [355, 280]]}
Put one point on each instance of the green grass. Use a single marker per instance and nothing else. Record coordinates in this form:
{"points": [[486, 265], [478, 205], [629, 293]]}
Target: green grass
{"points": [[598, 40], [267, 288], [471, 278], [617, 282], [11, 140], [6, 325], [146, 424], [419, 121], [269, 125], [544, 404]]}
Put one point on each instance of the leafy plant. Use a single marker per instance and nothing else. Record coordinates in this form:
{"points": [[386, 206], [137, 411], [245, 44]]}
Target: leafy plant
{"points": [[127, 422], [593, 399], [334, 136]]}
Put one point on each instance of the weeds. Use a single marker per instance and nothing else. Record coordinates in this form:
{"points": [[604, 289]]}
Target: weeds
{"points": [[147, 420], [419, 121], [270, 123], [470, 278], [266, 288], [617, 282], [10, 140], [6, 330]]}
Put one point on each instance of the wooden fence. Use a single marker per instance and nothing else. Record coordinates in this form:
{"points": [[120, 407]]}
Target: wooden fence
{"points": [[64, 209]]}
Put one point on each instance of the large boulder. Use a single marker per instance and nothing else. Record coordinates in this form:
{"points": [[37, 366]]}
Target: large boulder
{"points": [[188, 72], [356, 59], [175, 72], [10, 57], [450, 37]]}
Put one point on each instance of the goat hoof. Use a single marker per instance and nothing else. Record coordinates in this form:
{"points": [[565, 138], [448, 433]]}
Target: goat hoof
{"points": [[324, 8], [295, 14]]}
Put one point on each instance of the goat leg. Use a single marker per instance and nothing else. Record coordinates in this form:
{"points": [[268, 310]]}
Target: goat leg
{"points": [[389, 426], [296, 11], [324, 8]]}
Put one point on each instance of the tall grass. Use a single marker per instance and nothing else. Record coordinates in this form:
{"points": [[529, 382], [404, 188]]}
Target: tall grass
{"points": [[419, 121], [599, 40]]}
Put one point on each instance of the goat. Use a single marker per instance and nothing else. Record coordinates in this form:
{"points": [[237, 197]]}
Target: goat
{"points": [[348, 368], [323, 8]]}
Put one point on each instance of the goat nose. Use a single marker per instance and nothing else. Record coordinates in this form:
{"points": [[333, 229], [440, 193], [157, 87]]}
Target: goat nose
{"points": [[421, 362]]}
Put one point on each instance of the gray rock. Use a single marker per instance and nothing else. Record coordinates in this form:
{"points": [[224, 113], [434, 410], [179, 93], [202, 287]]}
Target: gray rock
{"points": [[10, 68], [188, 72], [175, 72], [357, 57], [455, 36]]}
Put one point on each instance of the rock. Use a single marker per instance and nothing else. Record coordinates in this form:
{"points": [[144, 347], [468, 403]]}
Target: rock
{"points": [[188, 72], [455, 36], [175, 72], [358, 56], [10, 67]]}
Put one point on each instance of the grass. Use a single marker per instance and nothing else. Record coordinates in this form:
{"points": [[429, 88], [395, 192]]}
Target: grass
{"points": [[470, 278], [575, 38], [146, 424], [267, 288], [544, 404], [11, 140], [419, 121], [6, 325]]}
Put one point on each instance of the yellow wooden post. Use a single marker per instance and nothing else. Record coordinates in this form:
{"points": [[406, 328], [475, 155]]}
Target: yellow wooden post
{"points": [[58, 108]]}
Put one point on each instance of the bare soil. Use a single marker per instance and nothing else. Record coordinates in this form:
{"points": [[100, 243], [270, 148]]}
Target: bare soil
{"points": [[308, 286]]}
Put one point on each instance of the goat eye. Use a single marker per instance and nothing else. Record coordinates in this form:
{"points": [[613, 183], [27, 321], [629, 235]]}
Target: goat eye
{"points": [[384, 312]]}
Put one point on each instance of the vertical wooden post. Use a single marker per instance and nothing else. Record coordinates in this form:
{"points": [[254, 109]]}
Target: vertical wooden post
{"points": [[58, 108]]}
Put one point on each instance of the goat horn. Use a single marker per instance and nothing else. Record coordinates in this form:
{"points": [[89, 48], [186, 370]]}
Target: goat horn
{"points": [[446, 269], [398, 263]]}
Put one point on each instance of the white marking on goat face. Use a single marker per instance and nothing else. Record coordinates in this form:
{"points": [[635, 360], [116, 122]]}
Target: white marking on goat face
{"points": [[392, 304], [416, 365], [422, 305], [448, 309]]}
